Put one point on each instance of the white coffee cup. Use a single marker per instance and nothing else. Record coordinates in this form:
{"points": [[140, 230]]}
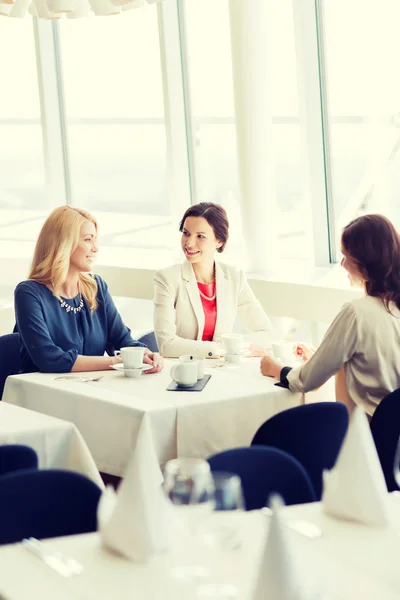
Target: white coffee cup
{"points": [[185, 373], [284, 351], [133, 373], [132, 356], [199, 360], [233, 358], [232, 343]]}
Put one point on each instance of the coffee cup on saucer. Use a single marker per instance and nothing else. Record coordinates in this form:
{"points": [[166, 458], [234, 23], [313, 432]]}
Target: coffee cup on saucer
{"points": [[133, 373], [284, 351], [185, 373], [232, 342], [132, 356], [199, 360], [233, 358]]}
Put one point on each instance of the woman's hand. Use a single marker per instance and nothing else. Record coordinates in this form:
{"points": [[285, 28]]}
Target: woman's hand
{"points": [[256, 351], [304, 352], [154, 359], [270, 368], [115, 360]]}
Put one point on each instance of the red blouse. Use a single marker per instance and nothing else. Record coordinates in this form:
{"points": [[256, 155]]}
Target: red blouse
{"points": [[210, 309]]}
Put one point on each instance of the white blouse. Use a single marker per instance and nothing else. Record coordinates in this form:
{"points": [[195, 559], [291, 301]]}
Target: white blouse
{"points": [[365, 339]]}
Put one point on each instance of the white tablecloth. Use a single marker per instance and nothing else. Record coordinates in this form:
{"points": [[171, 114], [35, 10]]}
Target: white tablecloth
{"points": [[58, 444], [109, 412], [349, 562]]}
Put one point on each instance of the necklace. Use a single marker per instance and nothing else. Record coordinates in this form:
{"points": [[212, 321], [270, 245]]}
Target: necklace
{"points": [[69, 308], [209, 298]]}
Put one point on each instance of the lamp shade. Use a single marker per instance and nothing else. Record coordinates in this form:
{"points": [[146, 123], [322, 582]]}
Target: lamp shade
{"points": [[5, 9], [19, 9], [104, 8], [133, 4], [61, 6]]}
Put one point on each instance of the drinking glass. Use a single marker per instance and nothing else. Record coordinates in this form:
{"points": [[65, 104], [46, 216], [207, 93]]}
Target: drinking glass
{"points": [[224, 537], [189, 485]]}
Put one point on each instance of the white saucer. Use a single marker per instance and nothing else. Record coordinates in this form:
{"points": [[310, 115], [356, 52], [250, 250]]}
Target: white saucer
{"points": [[120, 367], [242, 352]]}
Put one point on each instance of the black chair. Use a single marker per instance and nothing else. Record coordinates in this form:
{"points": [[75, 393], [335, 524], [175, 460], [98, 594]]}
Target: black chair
{"points": [[264, 471], [149, 340], [385, 429], [45, 504], [10, 363], [16, 457], [312, 433]]}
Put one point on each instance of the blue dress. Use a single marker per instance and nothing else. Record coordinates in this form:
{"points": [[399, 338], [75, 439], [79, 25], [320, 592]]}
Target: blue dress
{"points": [[52, 338]]}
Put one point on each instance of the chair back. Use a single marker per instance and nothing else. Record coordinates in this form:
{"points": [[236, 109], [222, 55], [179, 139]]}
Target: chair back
{"points": [[10, 363], [45, 504], [16, 457], [149, 339], [264, 471], [385, 429], [311, 433]]}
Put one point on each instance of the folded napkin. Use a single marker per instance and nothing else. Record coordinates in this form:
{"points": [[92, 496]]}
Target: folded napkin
{"points": [[355, 488], [139, 520], [279, 577]]}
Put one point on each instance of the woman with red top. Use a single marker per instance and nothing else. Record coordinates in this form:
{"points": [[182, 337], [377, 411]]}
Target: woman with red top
{"points": [[198, 301]]}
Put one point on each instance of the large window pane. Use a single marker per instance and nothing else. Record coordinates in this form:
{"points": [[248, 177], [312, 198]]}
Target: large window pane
{"points": [[209, 61], [116, 130], [23, 199], [362, 47]]}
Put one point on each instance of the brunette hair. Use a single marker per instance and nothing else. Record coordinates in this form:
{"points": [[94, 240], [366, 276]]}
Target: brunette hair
{"points": [[215, 216], [373, 244], [57, 240]]}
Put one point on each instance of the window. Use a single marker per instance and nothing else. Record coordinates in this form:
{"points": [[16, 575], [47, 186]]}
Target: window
{"points": [[23, 199], [116, 129], [211, 116], [363, 101]]}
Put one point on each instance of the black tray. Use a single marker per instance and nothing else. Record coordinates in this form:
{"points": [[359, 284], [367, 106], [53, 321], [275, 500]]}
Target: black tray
{"points": [[175, 387]]}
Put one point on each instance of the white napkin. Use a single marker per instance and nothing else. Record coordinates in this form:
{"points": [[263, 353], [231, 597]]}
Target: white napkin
{"points": [[355, 488], [138, 521], [279, 576]]}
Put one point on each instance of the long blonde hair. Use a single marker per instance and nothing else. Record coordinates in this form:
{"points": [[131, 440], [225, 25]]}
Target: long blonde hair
{"points": [[57, 240]]}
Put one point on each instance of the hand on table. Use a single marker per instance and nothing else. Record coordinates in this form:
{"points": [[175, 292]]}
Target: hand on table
{"points": [[154, 359], [269, 367]]}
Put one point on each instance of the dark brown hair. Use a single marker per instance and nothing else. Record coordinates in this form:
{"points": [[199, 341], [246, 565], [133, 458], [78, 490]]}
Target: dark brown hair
{"points": [[215, 216], [373, 244]]}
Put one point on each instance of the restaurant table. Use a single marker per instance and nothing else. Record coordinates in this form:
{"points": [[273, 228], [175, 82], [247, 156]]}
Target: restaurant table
{"points": [[349, 561], [109, 413], [58, 443]]}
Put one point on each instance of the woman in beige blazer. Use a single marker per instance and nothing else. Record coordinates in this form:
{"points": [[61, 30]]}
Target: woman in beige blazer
{"points": [[362, 346], [198, 301]]}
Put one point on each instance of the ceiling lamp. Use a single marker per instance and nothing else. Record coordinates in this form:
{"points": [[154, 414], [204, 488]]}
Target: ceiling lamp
{"points": [[73, 9]]}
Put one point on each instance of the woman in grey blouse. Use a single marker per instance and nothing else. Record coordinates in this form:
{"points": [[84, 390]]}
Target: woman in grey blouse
{"points": [[362, 345]]}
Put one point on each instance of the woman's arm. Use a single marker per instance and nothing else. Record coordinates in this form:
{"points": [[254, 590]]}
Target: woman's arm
{"points": [[170, 344], [118, 334], [44, 353], [253, 316], [337, 348]]}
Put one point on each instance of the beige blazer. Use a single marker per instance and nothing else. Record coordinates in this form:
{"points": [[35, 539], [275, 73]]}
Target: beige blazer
{"points": [[179, 314]]}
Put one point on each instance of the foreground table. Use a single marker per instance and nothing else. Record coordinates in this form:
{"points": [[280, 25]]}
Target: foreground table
{"points": [[58, 444], [109, 413], [348, 562]]}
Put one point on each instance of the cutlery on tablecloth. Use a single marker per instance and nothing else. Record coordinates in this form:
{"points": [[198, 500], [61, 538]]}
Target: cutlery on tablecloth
{"points": [[302, 526], [80, 379], [63, 565]]}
